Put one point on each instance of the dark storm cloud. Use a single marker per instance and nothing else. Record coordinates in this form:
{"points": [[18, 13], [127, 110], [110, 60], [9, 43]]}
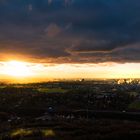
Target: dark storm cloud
{"points": [[71, 30]]}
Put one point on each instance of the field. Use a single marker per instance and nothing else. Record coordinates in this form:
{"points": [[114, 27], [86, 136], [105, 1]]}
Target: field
{"points": [[76, 130], [52, 90], [64, 111]]}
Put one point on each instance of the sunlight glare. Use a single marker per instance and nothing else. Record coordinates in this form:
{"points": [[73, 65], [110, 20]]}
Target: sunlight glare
{"points": [[17, 69]]}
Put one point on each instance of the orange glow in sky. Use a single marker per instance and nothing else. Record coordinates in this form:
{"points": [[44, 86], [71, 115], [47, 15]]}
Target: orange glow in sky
{"points": [[41, 71]]}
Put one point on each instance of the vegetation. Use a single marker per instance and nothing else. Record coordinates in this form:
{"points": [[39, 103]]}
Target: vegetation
{"points": [[52, 90], [54, 110], [135, 105]]}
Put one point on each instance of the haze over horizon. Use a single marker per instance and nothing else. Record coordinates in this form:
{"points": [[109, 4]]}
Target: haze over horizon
{"points": [[69, 39]]}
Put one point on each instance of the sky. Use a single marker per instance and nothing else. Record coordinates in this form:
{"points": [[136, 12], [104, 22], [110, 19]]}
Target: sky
{"points": [[67, 33]]}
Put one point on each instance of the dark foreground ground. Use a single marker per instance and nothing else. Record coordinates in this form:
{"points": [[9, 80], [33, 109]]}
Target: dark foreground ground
{"points": [[78, 110], [102, 129]]}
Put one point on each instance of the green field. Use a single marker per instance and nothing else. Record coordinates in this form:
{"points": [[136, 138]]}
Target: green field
{"points": [[135, 105], [1, 87], [52, 90]]}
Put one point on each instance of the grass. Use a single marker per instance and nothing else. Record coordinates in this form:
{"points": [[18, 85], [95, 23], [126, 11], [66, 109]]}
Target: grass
{"points": [[1, 87], [133, 93], [135, 105], [21, 132], [48, 133], [52, 90]]}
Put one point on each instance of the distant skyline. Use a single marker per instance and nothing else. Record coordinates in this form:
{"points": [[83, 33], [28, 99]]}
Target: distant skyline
{"points": [[70, 38], [33, 72]]}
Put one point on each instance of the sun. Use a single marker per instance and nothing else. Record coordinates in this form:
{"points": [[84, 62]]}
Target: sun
{"points": [[17, 69]]}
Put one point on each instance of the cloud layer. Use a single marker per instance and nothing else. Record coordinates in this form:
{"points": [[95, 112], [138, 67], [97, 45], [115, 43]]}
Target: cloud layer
{"points": [[71, 31]]}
